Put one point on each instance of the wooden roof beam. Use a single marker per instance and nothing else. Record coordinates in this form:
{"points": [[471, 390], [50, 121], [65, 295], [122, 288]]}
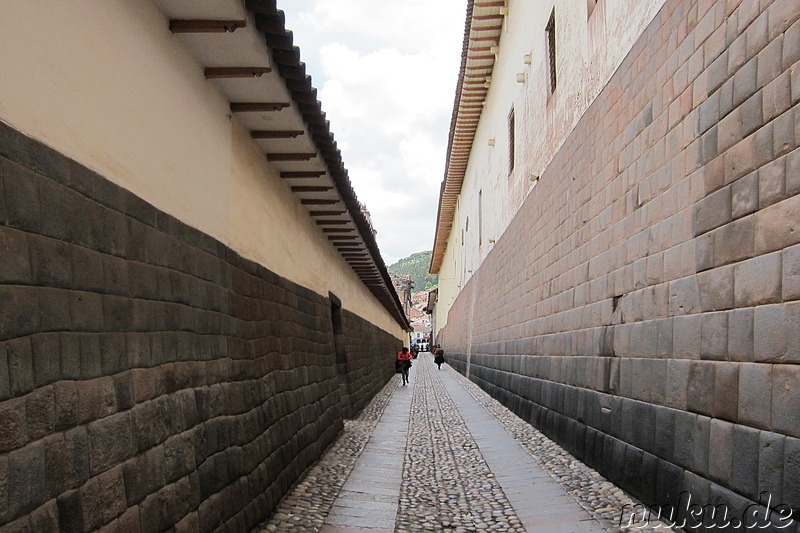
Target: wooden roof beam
{"points": [[290, 157], [235, 72], [303, 174], [318, 201], [314, 188], [276, 134], [205, 26], [257, 107]]}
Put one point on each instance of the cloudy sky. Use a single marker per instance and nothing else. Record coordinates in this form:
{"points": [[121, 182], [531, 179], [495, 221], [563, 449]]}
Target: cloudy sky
{"points": [[386, 72]]}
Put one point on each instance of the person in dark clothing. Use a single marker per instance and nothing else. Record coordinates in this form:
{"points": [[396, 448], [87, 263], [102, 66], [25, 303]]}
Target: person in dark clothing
{"points": [[403, 363], [438, 356]]}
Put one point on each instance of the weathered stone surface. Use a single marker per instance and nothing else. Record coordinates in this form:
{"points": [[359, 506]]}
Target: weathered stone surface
{"points": [[755, 380], [758, 280], [785, 399]]}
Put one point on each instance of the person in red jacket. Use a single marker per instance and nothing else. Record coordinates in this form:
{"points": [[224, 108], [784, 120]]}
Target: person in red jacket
{"points": [[403, 363]]}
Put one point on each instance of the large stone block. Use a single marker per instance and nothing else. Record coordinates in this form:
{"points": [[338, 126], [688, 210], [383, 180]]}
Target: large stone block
{"points": [[5, 384], [684, 296], [720, 458], [46, 351], [778, 226], [772, 182], [755, 380], [786, 399], [716, 288], [758, 280], [143, 475], [22, 209], [179, 459], [151, 423], [14, 256], [40, 412], [51, 262], [740, 335], [70, 512], [713, 211], [20, 365], [700, 392], [770, 464], [735, 241], [790, 285], [19, 311], [14, 424], [66, 460], [86, 311], [111, 441], [791, 471], [776, 335], [744, 463], [726, 391], [714, 336], [784, 141], [102, 498], [683, 438], [26, 473]]}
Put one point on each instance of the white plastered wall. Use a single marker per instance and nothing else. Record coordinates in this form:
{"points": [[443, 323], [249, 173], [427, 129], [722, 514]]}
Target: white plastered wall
{"points": [[105, 83], [588, 52]]}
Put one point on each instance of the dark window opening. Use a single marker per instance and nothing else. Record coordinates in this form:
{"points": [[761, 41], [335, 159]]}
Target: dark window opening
{"points": [[480, 217], [550, 32], [511, 141], [338, 333]]}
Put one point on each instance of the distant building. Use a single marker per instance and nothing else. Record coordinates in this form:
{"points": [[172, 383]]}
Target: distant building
{"points": [[421, 335], [368, 217], [430, 309], [402, 286]]}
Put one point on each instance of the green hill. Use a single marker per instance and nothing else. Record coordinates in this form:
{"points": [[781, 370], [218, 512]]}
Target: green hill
{"points": [[416, 266]]}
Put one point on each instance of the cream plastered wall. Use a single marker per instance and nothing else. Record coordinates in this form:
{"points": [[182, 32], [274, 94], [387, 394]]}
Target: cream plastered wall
{"points": [[107, 84], [449, 277], [589, 49]]}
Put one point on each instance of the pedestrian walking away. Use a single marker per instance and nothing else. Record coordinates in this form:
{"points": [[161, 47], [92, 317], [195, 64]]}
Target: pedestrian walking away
{"points": [[438, 356], [403, 363]]}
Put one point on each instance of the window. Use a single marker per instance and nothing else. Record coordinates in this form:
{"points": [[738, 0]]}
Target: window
{"points": [[480, 217], [511, 141], [550, 33], [338, 333]]}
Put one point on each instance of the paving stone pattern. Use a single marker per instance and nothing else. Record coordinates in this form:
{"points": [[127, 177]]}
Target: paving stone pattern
{"points": [[150, 377], [642, 307], [468, 464], [447, 483]]}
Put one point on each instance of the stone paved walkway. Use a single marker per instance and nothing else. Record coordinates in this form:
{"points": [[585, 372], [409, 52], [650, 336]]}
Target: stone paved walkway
{"points": [[440, 455]]}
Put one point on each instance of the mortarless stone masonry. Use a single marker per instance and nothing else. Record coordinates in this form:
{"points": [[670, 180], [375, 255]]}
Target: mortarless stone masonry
{"points": [[149, 376], [641, 309]]}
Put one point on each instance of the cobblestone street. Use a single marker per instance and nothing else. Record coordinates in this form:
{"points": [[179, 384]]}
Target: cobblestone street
{"points": [[441, 455]]}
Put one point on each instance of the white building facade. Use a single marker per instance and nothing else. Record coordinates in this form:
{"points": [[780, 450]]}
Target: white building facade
{"points": [[525, 113]]}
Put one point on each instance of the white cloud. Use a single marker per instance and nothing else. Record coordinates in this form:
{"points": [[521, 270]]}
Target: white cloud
{"points": [[386, 73]]}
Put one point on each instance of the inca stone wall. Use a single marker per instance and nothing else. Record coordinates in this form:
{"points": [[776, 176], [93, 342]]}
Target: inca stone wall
{"points": [[642, 308], [149, 376], [365, 375]]}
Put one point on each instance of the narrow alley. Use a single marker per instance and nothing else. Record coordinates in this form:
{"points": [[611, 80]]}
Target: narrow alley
{"points": [[441, 455]]}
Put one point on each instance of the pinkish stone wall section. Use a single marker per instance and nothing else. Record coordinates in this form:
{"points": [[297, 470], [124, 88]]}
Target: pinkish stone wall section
{"points": [[643, 307]]}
